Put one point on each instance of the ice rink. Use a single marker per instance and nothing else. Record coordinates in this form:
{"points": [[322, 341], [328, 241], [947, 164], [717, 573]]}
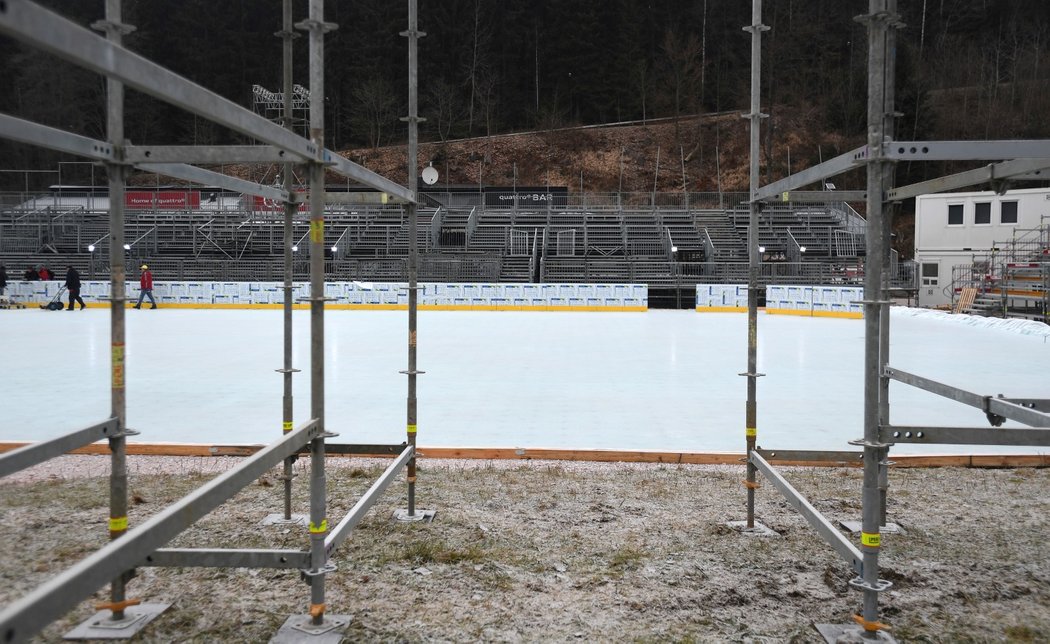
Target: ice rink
{"points": [[663, 380]]}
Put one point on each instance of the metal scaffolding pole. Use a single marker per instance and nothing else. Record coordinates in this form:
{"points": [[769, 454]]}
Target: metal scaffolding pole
{"points": [[412, 417], [290, 207], [316, 27], [889, 116], [118, 496], [880, 77], [751, 409]]}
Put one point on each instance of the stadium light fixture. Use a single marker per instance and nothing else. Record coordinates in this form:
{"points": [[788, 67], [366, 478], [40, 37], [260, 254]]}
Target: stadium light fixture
{"points": [[335, 249], [295, 249], [127, 246], [761, 249], [91, 248], [801, 249]]}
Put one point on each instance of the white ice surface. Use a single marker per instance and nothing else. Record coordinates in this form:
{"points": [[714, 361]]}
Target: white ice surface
{"points": [[664, 380]]}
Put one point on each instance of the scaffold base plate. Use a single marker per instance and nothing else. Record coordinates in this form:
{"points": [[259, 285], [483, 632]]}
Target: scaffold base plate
{"points": [[278, 519], [758, 531], [300, 628], [424, 516], [849, 634], [855, 526], [101, 626]]}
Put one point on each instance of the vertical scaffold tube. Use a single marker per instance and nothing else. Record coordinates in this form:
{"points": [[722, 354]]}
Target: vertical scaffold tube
{"points": [[880, 76], [751, 410], [287, 416], [318, 500], [889, 116], [118, 480], [412, 420]]}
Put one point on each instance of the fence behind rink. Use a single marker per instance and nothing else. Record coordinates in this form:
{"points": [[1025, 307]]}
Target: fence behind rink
{"points": [[358, 295], [814, 301]]}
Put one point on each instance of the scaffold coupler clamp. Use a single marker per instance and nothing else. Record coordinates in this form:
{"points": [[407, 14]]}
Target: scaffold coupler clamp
{"points": [[308, 574], [860, 442], [879, 586], [125, 432], [995, 419], [750, 374]]}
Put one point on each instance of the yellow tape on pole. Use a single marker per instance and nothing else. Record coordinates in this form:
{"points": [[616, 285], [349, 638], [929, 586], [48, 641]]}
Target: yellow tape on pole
{"points": [[287, 426], [118, 365], [314, 529], [411, 429], [751, 432], [317, 231], [872, 540], [119, 524]]}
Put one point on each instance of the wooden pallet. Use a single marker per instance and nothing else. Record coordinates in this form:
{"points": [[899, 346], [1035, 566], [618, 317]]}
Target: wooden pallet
{"points": [[966, 298]]}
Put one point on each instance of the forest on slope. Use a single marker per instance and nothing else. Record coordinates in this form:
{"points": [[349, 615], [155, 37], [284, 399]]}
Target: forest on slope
{"points": [[965, 69]]}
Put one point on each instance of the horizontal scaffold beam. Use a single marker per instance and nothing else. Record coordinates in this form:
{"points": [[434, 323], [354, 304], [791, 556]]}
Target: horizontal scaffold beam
{"points": [[17, 129], [830, 168], [13, 128], [1017, 169], [206, 155], [1022, 436], [1001, 407], [819, 196], [228, 558], [31, 24], [967, 150], [34, 453]]}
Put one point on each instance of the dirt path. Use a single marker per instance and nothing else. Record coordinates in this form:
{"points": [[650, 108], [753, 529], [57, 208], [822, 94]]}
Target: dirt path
{"points": [[554, 551]]}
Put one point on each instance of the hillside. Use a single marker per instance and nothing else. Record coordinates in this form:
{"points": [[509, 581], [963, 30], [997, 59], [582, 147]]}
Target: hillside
{"points": [[711, 151]]}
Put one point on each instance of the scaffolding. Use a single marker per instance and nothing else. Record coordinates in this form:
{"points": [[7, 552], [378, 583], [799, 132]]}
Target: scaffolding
{"points": [[131, 547], [1023, 160]]}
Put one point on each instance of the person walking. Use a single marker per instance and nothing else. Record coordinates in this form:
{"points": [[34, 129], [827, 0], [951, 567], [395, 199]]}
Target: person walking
{"points": [[73, 284], [146, 287]]}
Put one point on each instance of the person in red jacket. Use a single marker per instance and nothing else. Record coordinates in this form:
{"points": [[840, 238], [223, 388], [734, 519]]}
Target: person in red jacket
{"points": [[146, 287]]}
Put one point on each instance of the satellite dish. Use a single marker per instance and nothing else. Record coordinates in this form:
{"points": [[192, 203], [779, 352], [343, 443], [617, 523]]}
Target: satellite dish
{"points": [[430, 175]]}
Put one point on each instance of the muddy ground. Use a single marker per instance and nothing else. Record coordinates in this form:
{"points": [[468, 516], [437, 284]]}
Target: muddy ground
{"points": [[556, 551]]}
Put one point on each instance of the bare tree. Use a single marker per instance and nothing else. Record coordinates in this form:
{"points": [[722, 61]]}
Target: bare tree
{"points": [[446, 107], [377, 108], [683, 72]]}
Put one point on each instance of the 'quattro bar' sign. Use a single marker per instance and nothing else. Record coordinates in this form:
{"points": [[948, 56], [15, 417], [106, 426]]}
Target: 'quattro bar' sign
{"points": [[526, 197], [163, 200]]}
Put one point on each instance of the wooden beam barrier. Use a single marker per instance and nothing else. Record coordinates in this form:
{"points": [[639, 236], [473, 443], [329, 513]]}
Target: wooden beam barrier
{"points": [[783, 458]]}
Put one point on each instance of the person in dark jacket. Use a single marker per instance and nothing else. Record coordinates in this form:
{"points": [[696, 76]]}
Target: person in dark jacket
{"points": [[73, 284], [3, 279], [30, 274]]}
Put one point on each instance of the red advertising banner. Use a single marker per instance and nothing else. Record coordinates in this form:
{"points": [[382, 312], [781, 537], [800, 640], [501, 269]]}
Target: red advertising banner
{"points": [[138, 200], [162, 200]]}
